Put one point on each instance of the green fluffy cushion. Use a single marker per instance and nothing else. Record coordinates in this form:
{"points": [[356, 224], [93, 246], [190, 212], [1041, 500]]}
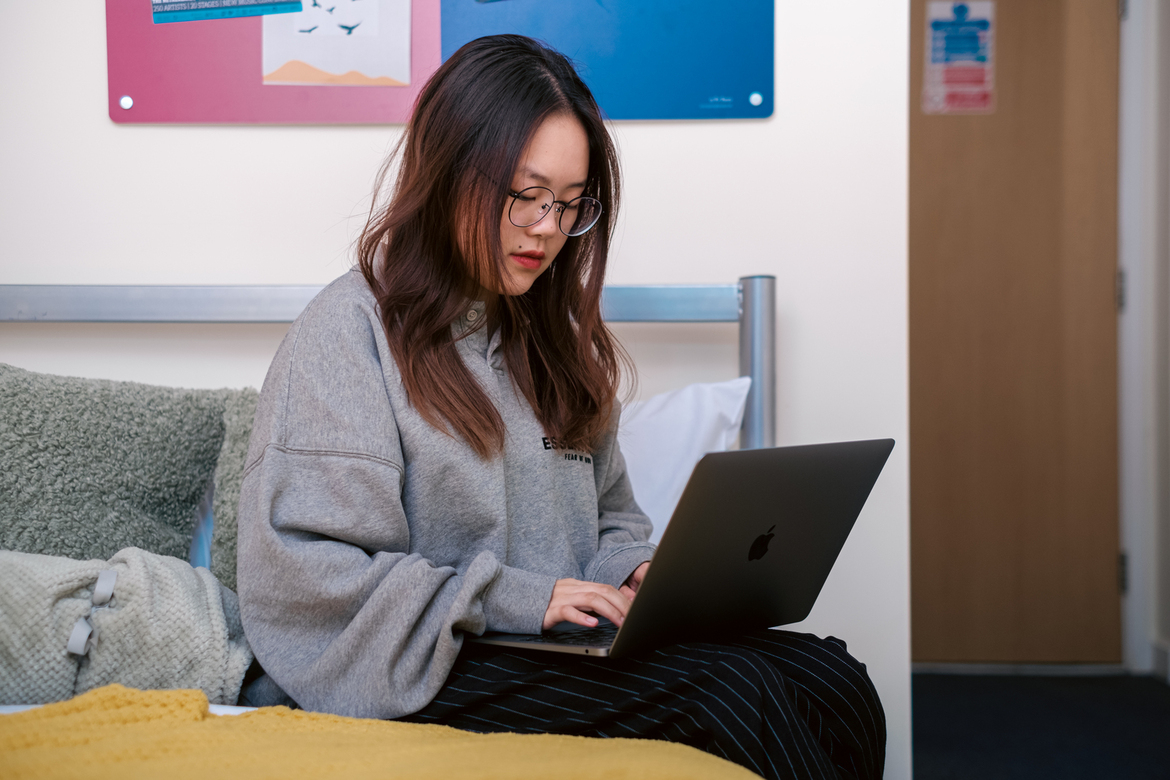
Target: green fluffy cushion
{"points": [[239, 409], [89, 467]]}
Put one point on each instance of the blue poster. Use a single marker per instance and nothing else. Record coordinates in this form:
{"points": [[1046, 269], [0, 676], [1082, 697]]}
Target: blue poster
{"points": [[643, 59]]}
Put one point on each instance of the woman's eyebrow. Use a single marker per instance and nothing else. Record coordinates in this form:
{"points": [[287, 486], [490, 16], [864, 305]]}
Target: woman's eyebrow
{"points": [[540, 178]]}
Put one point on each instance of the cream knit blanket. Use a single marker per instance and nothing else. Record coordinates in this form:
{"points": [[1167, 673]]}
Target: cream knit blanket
{"points": [[154, 622]]}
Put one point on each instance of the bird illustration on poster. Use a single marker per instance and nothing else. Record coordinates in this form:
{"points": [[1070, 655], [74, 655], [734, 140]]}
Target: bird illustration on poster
{"points": [[339, 43]]}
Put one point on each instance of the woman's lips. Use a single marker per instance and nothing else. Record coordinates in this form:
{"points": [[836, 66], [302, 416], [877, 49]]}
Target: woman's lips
{"points": [[529, 260]]}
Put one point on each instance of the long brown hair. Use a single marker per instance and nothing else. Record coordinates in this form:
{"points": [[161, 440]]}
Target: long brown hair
{"points": [[419, 250]]}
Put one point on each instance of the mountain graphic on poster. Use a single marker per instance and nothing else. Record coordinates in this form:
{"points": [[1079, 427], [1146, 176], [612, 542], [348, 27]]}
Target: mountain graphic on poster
{"points": [[339, 43]]}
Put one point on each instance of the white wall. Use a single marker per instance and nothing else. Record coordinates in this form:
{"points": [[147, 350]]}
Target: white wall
{"points": [[816, 196]]}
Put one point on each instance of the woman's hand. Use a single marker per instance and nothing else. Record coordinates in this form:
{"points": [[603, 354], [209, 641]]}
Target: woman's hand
{"points": [[630, 588], [573, 599]]}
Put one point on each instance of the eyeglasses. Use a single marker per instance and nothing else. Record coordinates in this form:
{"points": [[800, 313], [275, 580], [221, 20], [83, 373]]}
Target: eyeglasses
{"points": [[533, 204]]}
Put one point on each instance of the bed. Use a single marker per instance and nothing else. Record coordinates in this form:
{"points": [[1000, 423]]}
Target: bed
{"points": [[178, 732]]}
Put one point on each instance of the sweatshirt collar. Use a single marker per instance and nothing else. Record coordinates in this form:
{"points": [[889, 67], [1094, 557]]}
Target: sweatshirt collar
{"points": [[472, 332]]}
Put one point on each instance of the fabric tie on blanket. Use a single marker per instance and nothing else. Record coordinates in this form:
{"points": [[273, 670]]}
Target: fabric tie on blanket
{"points": [[103, 591], [115, 732]]}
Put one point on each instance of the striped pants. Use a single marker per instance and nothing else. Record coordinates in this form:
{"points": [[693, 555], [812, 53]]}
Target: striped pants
{"points": [[782, 704]]}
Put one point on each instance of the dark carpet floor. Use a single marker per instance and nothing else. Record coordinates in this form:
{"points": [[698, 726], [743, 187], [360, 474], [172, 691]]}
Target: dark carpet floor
{"points": [[979, 727]]}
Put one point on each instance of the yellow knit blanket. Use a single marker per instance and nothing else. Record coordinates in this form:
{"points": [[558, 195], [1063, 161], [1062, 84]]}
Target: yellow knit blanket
{"points": [[116, 732]]}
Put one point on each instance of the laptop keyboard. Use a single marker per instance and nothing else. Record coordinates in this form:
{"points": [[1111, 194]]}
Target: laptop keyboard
{"points": [[601, 636]]}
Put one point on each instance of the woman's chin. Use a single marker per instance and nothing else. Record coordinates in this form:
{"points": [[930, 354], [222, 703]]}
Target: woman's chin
{"points": [[518, 283], [518, 290]]}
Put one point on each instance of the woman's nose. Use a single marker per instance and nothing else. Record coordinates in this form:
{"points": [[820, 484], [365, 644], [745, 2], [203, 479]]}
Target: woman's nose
{"points": [[547, 226]]}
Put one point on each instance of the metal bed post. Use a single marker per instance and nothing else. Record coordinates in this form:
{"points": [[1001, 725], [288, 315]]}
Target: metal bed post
{"points": [[757, 359], [751, 303]]}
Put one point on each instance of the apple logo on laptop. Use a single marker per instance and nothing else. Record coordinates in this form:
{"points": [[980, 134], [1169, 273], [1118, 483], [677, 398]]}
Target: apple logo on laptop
{"points": [[760, 545]]}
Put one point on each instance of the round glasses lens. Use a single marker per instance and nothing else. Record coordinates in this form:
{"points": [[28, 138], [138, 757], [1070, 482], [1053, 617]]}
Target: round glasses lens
{"points": [[579, 215], [529, 206]]}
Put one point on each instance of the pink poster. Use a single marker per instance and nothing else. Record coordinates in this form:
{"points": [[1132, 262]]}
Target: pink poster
{"points": [[362, 62]]}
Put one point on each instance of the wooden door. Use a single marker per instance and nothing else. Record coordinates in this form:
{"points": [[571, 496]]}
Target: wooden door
{"points": [[1013, 348]]}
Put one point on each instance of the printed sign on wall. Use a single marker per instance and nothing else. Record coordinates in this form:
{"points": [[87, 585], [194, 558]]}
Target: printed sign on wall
{"points": [[959, 77], [193, 10]]}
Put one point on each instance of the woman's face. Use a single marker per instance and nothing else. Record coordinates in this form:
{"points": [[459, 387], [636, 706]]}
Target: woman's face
{"points": [[557, 157]]}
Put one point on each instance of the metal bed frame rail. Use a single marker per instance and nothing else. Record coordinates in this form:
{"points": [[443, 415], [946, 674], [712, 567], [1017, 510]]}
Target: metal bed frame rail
{"points": [[751, 302]]}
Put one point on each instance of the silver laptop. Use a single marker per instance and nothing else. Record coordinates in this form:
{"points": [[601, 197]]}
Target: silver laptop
{"points": [[749, 546]]}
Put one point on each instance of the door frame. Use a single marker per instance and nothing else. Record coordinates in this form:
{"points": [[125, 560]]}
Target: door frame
{"points": [[1144, 333]]}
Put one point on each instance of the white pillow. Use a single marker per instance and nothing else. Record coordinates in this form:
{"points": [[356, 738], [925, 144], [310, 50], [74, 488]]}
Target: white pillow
{"points": [[662, 438]]}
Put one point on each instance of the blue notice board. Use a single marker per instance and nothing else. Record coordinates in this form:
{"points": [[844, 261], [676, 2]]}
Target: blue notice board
{"points": [[643, 59]]}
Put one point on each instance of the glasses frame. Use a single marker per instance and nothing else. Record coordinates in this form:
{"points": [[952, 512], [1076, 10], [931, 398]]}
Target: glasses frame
{"points": [[558, 206]]}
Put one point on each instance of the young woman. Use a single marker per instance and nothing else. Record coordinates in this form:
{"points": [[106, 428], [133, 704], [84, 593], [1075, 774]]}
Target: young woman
{"points": [[407, 481]]}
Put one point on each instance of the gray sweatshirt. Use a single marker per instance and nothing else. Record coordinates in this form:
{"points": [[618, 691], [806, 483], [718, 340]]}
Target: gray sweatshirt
{"points": [[370, 541]]}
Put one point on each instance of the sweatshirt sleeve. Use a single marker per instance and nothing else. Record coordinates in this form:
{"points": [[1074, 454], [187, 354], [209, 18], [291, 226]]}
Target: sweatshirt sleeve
{"points": [[339, 612], [623, 528]]}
